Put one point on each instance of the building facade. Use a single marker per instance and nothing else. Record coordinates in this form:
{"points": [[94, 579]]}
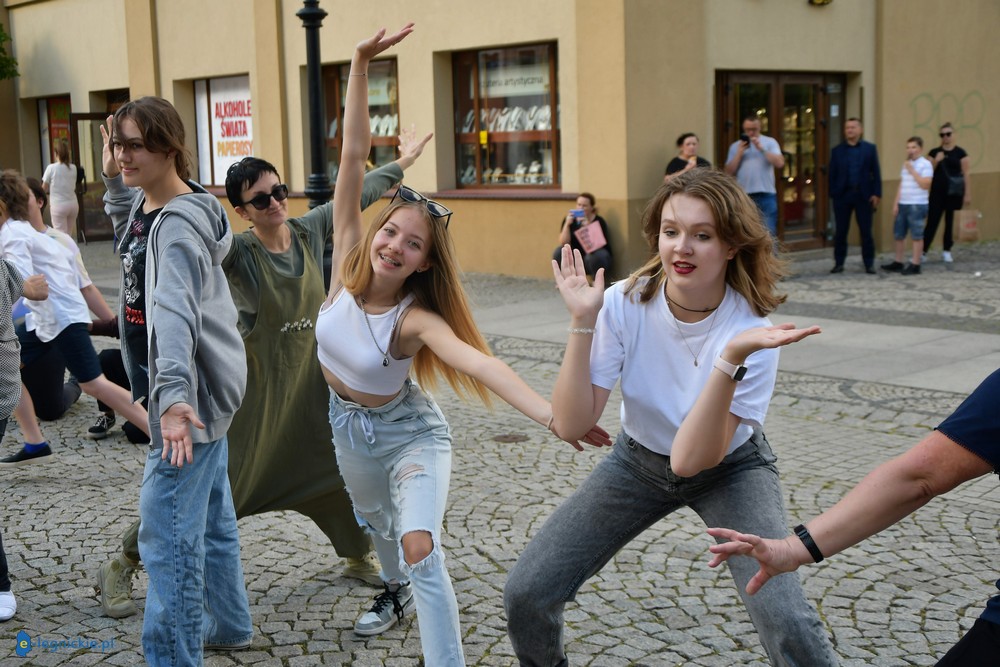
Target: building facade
{"points": [[530, 103]]}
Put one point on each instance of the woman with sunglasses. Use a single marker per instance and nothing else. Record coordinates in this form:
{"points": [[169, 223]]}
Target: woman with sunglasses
{"points": [[395, 301], [951, 165]]}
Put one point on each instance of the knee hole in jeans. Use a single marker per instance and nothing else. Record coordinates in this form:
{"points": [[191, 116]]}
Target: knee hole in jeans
{"points": [[417, 546]]}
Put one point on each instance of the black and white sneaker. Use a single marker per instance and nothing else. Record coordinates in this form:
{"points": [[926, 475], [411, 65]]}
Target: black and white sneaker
{"points": [[101, 426], [389, 609]]}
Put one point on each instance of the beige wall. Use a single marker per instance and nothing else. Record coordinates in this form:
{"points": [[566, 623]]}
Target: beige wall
{"points": [[920, 90], [632, 75]]}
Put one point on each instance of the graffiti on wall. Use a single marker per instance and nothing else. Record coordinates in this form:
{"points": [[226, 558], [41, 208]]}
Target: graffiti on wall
{"points": [[966, 114]]}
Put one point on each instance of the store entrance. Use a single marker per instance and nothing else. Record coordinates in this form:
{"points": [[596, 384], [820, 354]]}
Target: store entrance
{"points": [[803, 112]]}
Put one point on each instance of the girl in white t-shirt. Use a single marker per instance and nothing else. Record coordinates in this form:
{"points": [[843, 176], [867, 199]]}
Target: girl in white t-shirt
{"points": [[687, 337]]}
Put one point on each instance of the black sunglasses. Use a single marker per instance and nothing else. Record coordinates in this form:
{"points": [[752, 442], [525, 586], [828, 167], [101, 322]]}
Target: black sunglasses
{"points": [[436, 209], [944, 134], [261, 202]]}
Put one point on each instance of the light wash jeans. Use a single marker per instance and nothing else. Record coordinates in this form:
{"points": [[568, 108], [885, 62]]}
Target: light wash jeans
{"points": [[631, 489], [396, 462], [191, 547]]}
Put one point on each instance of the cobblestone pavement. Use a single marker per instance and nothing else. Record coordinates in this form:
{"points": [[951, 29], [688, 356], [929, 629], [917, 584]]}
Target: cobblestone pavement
{"points": [[901, 598]]}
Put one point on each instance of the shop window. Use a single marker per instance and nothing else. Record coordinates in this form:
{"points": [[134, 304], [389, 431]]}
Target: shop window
{"points": [[383, 112], [507, 117], [224, 126]]}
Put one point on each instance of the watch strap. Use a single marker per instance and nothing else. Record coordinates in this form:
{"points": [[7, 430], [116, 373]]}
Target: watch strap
{"points": [[734, 371]]}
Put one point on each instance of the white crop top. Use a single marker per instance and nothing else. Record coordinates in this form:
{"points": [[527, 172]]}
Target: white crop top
{"points": [[346, 349]]}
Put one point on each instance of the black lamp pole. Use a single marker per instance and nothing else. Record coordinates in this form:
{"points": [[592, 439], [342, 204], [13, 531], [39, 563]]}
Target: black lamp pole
{"points": [[318, 185]]}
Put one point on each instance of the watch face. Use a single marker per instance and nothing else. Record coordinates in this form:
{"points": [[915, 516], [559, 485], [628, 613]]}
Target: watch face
{"points": [[740, 372]]}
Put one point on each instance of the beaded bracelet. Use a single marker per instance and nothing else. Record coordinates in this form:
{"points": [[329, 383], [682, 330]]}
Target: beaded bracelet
{"points": [[581, 330]]}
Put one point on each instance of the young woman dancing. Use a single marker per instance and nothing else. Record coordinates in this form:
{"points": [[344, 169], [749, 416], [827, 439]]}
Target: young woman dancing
{"points": [[687, 337], [396, 301]]}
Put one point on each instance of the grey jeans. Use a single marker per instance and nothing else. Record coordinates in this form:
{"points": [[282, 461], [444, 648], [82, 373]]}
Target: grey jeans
{"points": [[630, 490]]}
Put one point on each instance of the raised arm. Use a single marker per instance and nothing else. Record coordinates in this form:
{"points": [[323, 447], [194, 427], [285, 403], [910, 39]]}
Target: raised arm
{"points": [[706, 431], [892, 491], [577, 403], [355, 148]]}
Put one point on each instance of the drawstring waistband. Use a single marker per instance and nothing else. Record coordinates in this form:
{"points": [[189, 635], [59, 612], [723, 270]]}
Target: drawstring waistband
{"points": [[349, 418]]}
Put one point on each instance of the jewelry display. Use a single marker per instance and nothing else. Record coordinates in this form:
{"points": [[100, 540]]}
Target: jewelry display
{"points": [[469, 118], [516, 121], [543, 120], [531, 118], [494, 112], [469, 176], [486, 175], [534, 172], [502, 120], [520, 173], [374, 122], [703, 341], [392, 331], [497, 175], [333, 129]]}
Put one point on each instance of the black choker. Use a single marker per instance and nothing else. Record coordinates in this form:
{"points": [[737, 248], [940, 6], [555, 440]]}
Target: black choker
{"points": [[690, 310]]}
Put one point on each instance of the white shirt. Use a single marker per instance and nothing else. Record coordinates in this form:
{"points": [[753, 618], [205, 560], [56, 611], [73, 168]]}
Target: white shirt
{"points": [[61, 179], [641, 345], [910, 191], [33, 252]]}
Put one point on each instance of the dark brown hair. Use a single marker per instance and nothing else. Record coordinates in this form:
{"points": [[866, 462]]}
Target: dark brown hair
{"points": [[161, 127]]}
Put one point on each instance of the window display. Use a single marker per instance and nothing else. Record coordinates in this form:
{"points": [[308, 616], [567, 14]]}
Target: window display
{"points": [[506, 117], [383, 109]]}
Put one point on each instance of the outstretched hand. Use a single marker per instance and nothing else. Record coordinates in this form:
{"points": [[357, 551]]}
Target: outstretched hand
{"points": [[595, 437], [747, 342], [108, 162], [775, 556], [175, 426], [583, 300], [410, 147], [379, 42]]}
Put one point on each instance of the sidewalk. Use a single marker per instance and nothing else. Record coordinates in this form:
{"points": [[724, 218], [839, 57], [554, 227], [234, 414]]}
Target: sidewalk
{"points": [[896, 355]]}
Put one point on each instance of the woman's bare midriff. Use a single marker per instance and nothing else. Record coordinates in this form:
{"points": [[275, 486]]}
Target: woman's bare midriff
{"points": [[348, 394]]}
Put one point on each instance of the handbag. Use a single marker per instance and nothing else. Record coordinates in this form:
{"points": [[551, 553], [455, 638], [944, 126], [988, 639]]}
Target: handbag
{"points": [[956, 186]]}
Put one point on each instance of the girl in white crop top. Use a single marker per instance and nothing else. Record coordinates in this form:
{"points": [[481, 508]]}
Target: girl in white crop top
{"points": [[392, 444], [687, 338]]}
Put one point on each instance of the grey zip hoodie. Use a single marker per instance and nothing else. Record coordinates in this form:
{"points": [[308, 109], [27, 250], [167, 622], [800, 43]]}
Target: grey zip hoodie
{"points": [[196, 355]]}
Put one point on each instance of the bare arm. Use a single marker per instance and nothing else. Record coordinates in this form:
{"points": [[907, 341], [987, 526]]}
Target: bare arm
{"points": [[706, 431], [355, 149], [410, 147], [577, 404], [95, 301], [887, 494], [733, 165]]}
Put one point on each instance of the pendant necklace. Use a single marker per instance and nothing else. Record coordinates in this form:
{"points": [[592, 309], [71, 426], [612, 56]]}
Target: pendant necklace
{"points": [[714, 311], [392, 331]]}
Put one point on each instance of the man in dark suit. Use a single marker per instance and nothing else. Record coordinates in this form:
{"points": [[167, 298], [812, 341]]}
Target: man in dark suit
{"points": [[855, 185]]}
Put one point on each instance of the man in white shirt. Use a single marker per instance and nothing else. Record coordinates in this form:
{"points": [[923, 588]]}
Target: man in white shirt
{"points": [[752, 160], [910, 208]]}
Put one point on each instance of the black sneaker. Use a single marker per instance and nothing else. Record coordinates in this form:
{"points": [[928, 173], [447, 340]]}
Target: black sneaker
{"points": [[839, 268], [911, 270], [101, 426], [23, 458], [893, 266]]}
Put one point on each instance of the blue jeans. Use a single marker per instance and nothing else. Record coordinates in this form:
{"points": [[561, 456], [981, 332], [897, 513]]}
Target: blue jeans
{"points": [[911, 217], [191, 547], [631, 489], [396, 463], [767, 202]]}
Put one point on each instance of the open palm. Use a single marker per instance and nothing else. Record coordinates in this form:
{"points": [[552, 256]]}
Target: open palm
{"points": [[379, 42], [582, 299]]}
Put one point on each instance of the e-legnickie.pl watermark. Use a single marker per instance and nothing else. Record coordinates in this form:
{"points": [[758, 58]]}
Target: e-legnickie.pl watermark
{"points": [[24, 643]]}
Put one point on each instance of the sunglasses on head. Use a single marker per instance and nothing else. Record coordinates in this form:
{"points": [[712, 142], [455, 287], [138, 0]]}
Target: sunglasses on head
{"points": [[436, 209], [261, 202], [944, 134]]}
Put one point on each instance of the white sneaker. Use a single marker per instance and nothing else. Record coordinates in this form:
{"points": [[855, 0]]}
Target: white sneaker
{"points": [[8, 606], [946, 256], [389, 608]]}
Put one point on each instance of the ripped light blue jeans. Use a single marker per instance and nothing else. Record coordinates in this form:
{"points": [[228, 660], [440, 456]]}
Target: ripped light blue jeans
{"points": [[396, 462]]}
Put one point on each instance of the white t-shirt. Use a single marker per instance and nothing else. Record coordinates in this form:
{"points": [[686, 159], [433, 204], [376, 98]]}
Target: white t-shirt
{"points": [[910, 191], [61, 179], [640, 345], [755, 174], [33, 252]]}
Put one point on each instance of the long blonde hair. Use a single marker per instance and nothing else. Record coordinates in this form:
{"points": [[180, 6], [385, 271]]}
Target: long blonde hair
{"points": [[754, 271], [438, 289]]}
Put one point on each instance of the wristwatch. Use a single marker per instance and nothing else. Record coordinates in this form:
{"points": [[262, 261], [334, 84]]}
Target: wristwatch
{"points": [[731, 370]]}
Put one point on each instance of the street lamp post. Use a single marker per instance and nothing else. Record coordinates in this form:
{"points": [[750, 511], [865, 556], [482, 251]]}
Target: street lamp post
{"points": [[318, 185]]}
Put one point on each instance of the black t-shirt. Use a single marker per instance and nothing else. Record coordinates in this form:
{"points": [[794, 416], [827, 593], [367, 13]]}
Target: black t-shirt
{"points": [[133, 256], [951, 165], [678, 164]]}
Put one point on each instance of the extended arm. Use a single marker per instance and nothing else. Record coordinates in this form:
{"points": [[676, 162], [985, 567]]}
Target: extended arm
{"points": [[892, 491], [355, 149], [706, 431]]}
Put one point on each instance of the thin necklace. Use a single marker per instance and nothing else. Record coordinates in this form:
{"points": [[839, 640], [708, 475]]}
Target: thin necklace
{"points": [[690, 310], [395, 320], [704, 340]]}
